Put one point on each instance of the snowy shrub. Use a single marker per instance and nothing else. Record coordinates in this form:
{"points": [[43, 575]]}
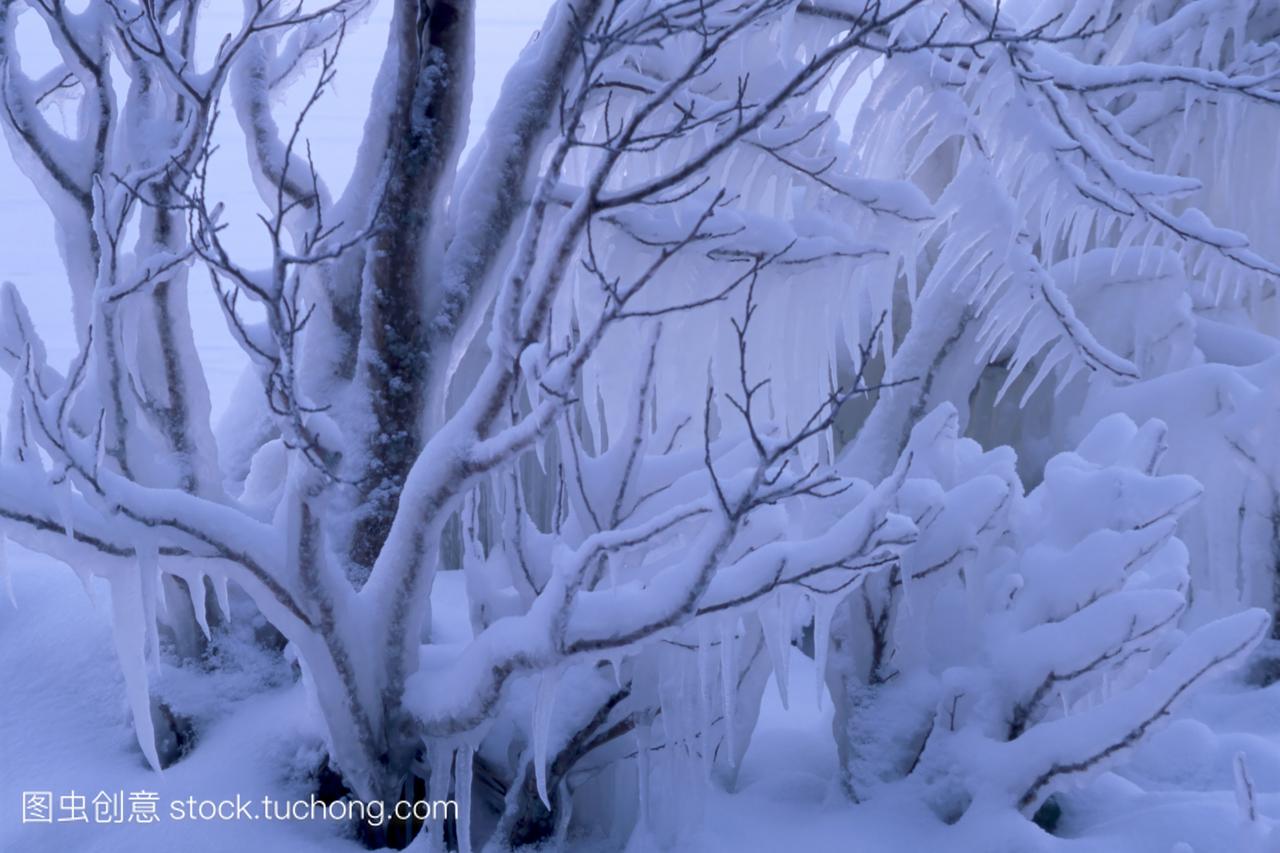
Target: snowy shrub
{"points": [[1025, 640]]}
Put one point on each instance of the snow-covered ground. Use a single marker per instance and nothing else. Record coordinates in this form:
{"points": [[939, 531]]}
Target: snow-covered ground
{"points": [[256, 742]]}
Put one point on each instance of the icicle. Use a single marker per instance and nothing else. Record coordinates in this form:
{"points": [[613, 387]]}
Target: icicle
{"points": [[462, 770], [706, 684], [540, 453], [642, 774], [162, 596], [542, 707], [86, 583], [668, 705], [129, 629], [149, 578], [1145, 251], [824, 608], [439, 760], [615, 663], [705, 642], [729, 682], [223, 596], [680, 779], [198, 604], [775, 619]]}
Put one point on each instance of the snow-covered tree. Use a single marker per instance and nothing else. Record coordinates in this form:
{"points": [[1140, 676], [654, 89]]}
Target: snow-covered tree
{"points": [[678, 357]]}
